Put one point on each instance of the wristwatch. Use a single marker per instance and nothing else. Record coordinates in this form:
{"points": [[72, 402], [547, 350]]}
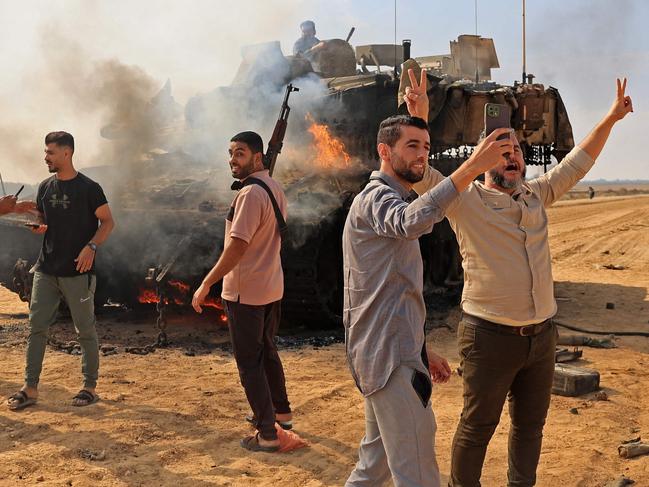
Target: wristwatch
{"points": [[93, 246]]}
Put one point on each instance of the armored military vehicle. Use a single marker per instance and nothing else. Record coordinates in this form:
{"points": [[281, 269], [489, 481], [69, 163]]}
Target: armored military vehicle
{"points": [[171, 198]]}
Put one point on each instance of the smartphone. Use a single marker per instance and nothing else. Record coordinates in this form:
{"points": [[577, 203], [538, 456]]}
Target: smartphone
{"points": [[497, 116]]}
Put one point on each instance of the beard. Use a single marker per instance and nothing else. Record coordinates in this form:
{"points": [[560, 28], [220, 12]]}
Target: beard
{"points": [[499, 179], [244, 170], [400, 167]]}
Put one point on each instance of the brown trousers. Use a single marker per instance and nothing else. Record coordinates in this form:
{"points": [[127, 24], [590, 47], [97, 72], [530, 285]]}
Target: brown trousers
{"points": [[497, 365], [252, 331]]}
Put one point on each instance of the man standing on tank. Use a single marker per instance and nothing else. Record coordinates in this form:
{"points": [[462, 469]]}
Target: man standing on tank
{"points": [[75, 220], [308, 38]]}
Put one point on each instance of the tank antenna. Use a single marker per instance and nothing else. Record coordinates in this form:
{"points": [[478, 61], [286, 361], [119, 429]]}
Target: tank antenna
{"points": [[477, 75], [396, 64], [524, 62]]}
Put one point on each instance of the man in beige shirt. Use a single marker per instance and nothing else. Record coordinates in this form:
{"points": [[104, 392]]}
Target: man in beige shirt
{"points": [[506, 337], [253, 286]]}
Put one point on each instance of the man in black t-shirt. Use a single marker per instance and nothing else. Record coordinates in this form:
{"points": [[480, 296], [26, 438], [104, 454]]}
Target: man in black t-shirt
{"points": [[75, 220]]}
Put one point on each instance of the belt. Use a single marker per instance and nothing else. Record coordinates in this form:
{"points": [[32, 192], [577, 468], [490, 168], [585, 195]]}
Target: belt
{"points": [[524, 331]]}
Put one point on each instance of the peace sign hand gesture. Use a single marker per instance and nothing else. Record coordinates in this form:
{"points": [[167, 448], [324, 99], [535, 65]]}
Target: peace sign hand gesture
{"points": [[416, 97], [622, 104]]}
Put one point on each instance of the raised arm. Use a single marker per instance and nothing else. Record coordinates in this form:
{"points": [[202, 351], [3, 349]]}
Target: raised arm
{"points": [[596, 139], [392, 217], [560, 179]]}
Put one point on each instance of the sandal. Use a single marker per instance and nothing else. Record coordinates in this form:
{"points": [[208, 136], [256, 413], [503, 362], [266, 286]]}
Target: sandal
{"points": [[285, 425], [84, 398], [251, 443], [20, 400]]}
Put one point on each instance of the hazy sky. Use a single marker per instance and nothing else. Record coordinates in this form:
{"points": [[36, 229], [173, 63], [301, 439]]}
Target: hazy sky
{"points": [[50, 50]]}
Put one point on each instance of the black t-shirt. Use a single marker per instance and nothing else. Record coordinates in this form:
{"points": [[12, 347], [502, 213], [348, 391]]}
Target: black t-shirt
{"points": [[68, 208]]}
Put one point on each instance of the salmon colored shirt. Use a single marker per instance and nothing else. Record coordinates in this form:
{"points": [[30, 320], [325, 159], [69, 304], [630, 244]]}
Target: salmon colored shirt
{"points": [[503, 240], [258, 278]]}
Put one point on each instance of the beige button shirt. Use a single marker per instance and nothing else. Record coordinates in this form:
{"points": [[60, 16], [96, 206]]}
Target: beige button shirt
{"points": [[503, 240], [258, 277]]}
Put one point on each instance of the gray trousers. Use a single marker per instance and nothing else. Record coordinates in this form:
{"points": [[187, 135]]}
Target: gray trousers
{"points": [[79, 294], [399, 438]]}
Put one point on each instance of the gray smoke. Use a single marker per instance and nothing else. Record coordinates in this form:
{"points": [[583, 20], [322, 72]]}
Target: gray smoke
{"points": [[577, 39], [158, 160]]}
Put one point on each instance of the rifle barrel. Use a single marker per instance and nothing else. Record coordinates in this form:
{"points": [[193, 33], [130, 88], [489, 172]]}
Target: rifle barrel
{"points": [[276, 140]]}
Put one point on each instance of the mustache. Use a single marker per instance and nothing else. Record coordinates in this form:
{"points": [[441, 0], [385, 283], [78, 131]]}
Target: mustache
{"points": [[511, 166]]}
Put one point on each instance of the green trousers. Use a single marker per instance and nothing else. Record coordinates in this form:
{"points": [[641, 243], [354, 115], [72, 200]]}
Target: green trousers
{"points": [[499, 366], [79, 294]]}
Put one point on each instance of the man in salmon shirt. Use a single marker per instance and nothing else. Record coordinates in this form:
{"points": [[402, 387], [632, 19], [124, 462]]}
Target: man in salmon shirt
{"points": [[253, 286]]}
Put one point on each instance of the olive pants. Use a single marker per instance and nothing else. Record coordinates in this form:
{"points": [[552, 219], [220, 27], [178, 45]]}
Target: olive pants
{"points": [[498, 365], [79, 294]]}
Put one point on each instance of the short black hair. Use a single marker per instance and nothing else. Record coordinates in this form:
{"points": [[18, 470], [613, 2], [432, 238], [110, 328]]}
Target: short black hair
{"points": [[60, 138], [251, 139], [307, 24], [390, 128]]}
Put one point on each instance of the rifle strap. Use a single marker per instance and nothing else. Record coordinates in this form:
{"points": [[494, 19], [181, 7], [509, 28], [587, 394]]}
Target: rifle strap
{"points": [[281, 223]]}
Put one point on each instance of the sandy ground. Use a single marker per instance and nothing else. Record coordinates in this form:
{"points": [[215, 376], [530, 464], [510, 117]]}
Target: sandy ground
{"points": [[169, 419]]}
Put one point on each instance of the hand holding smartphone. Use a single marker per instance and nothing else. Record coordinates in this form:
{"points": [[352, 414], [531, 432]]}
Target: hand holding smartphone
{"points": [[497, 116]]}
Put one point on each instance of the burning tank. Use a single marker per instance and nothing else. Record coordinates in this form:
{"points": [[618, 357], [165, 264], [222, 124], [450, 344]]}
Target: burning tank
{"points": [[171, 202]]}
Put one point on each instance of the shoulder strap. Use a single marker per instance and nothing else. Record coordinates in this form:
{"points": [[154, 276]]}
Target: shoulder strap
{"points": [[281, 223]]}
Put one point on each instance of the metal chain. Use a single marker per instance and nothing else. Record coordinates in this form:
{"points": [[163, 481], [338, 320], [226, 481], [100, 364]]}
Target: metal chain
{"points": [[161, 321]]}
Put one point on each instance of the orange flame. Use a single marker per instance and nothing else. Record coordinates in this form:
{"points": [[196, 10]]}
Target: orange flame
{"points": [[147, 296], [181, 291], [180, 286], [330, 151]]}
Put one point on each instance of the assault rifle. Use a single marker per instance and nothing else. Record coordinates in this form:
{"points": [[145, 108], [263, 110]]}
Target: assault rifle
{"points": [[277, 139]]}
